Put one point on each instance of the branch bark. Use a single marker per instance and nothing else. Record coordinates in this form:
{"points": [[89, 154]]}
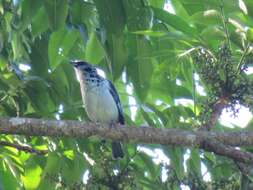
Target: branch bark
{"points": [[216, 112], [209, 141]]}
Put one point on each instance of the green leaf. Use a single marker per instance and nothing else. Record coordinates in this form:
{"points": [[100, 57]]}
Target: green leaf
{"points": [[37, 92], [152, 168], [8, 181], [179, 9], [163, 81], [31, 178], [82, 12], [111, 15], [151, 33], [140, 66], [176, 157], [158, 113], [193, 163], [147, 118], [60, 44], [59, 86], [39, 57], [39, 23], [77, 166], [138, 17], [208, 17], [249, 5], [16, 46], [118, 54], [94, 51], [249, 34], [193, 6], [52, 164], [29, 9], [175, 21], [213, 32], [157, 3], [187, 70], [57, 11], [47, 184]]}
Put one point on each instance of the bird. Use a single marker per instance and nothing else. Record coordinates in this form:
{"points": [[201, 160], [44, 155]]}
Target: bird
{"points": [[101, 100]]}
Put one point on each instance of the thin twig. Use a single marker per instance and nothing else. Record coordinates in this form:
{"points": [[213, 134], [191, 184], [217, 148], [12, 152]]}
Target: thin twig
{"points": [[4, 97], [242, 58], [24, 148], [194, 92], [224, 20]]}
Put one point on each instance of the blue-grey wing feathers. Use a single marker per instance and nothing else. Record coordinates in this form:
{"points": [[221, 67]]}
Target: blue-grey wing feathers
{"points": [[117, 151], [115, 96]]}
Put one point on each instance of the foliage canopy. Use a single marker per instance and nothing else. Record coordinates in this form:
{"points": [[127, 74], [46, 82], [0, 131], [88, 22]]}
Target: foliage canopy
{"points": [[153, 57]]}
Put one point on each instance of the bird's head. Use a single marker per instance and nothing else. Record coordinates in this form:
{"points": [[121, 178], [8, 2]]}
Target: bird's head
{"points": [[84, 67]]}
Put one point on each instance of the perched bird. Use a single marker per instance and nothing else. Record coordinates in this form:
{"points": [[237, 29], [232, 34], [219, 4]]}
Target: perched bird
{"points": [[100, 99]]}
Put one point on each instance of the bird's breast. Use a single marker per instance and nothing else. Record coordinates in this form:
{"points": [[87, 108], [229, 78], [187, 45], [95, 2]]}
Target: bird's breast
{"points": [[100, 105]]}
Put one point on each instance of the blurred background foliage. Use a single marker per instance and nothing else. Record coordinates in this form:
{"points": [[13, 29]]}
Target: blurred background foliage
{"points": [[144, 47]]}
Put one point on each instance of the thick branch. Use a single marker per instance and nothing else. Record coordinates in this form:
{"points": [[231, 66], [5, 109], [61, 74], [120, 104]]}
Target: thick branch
{"points": [[226, 150], [198, 139], [216, 112]]}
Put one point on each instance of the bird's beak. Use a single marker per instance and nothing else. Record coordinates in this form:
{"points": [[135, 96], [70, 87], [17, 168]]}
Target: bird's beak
{"points": [[73, 63]]}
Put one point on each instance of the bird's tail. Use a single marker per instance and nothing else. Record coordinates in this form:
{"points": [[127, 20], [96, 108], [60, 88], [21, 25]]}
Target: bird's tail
{"points": [[117, 151]]}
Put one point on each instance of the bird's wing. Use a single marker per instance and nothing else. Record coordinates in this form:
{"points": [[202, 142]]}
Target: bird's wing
{"points": [[115, 96]]}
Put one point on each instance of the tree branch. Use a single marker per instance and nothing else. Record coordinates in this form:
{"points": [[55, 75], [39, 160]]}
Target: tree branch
{"points": [[216, 112], [226, 150], [209, 141], [24, 148]]}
